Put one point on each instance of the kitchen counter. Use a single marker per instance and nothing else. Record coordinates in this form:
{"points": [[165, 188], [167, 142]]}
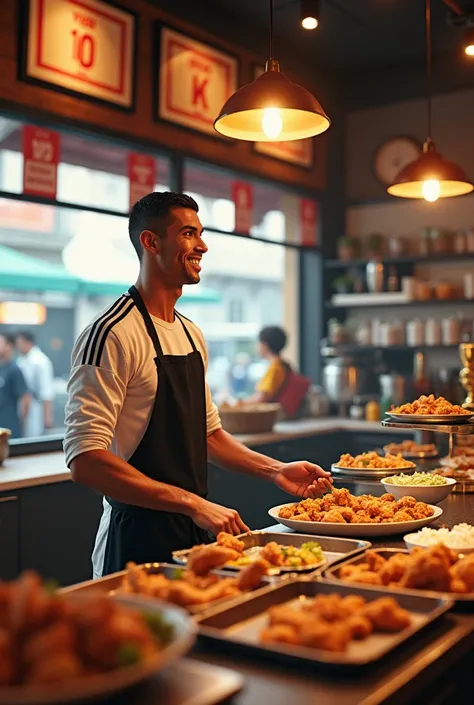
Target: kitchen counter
{"points": [[48, 468]]}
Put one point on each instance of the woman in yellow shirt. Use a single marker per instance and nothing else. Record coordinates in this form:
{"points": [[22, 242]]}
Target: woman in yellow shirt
{"points": [[271, 342]]}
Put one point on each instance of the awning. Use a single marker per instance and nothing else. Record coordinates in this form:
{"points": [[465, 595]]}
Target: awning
{"points": [[22, 272]]}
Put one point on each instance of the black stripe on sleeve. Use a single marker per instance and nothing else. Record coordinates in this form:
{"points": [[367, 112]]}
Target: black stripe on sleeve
{"points": [[98, 325], [112, 323]]}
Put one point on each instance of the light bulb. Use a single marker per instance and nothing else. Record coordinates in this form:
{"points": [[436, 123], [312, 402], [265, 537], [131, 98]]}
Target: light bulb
{"points": [[272, 122], [469, 49], [309, 22], [431, 189]]}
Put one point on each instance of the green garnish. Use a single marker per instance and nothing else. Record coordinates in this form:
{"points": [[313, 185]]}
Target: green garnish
{"points": [[128, 655], [163, 631], [178, 574]]}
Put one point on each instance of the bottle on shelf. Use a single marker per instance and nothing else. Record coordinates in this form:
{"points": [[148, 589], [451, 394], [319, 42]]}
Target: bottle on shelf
{"points": [[392, 283], [421, 380]]}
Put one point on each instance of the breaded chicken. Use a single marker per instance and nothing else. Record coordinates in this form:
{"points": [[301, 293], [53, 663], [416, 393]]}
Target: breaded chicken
{"points": [[251, 576], [203, 559], [386, 615], [229, 541]]}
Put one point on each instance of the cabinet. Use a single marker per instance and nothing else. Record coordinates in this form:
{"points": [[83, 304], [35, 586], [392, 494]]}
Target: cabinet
{"points": [[9, 536]]}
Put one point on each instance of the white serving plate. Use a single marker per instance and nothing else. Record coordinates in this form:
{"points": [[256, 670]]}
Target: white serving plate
{"points": [[431, 418], [422, 493], [353, 530], [109, 683]]}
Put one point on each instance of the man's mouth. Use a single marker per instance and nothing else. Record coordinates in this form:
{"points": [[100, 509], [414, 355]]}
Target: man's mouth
{"points": [[195, 262]]}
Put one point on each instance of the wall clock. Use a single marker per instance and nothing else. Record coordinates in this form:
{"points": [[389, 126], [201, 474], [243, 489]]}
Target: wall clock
{"points": [[393, 155]]}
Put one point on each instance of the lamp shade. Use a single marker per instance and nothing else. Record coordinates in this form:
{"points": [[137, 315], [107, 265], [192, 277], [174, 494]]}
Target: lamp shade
{"points": [[430, 166], [300, 114]]}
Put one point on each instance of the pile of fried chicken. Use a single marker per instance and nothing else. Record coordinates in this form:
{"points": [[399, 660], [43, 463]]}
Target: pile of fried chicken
{"points": [[341, 507], [331, 622], [198, 585], [436, 568]]}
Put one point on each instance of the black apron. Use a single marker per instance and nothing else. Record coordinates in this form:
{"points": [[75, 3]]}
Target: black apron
{"points": [[173, 450]]}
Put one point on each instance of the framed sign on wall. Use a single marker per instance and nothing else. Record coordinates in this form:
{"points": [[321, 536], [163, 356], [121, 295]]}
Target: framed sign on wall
{"points": [[193, 80], [299, 152], [84, 47]]}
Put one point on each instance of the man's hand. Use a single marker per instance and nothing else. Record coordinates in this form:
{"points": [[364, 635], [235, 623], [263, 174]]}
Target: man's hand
{"points": [[214, 518], [303, 479]]}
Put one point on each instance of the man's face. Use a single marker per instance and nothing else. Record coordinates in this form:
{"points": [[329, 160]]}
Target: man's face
{"points": [[22, 345], [181, 249], [5, 348]]}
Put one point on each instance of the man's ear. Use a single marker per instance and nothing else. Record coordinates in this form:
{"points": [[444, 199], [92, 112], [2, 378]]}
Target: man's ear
{"points": [[150, 241]]}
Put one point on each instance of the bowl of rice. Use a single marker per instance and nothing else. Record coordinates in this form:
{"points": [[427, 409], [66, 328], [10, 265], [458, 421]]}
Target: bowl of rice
{"points": [[423, 486], [460, 538]]}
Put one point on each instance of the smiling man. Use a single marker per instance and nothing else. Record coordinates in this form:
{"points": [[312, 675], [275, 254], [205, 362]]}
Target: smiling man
{"points": [[140, 421]]}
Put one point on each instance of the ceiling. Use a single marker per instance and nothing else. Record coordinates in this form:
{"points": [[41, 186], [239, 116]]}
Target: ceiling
{"points": [[354, 36]]}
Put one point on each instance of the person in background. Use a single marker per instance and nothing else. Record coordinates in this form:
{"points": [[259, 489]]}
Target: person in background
{"points": [[37, 369], [14, 396], [280, 383]]}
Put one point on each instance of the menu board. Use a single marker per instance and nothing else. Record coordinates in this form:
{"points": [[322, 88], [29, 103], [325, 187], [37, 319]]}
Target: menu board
{"points": [[83, 46], [41, 154]]}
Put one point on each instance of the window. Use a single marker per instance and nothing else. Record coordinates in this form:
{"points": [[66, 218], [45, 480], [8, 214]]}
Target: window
{"points": [[251, 277]]}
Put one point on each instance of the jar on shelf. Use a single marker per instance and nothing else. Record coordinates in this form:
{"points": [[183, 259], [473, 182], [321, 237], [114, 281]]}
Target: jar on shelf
{"points": [[469, 235], [372, 411], [459, 242], [424, 291], [363, 334], [432, 332], [396, 246], [450, 330], [415, 333]]}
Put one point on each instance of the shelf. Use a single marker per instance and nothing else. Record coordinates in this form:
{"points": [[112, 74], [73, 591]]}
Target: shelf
{"points": [[341, 349], [390, 303], [403, 259]]}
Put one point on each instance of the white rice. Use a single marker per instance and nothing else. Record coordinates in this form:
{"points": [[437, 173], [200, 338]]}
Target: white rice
{"points": [[460, 536]]}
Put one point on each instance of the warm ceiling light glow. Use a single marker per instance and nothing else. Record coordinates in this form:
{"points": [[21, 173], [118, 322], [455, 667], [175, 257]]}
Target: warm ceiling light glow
{"points": [[430, 176], [309, 13], [469, 49], [309, 22], [272, 108]]}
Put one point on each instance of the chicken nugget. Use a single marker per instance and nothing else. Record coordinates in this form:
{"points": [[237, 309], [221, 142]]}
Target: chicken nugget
{"points": [[273, 554], [328, 502], [283, 633], [330, 608], [464, 570], [353, 602], [394, 568], [287, 512], [387, 498], [405, 502], [285, 614], [362, 517], [423, 510], [321, 635], [374, 560], [428, 570], [458, 586], [229, 541], [334, 517], [342, 497], [360, 626], [386, 615], [251, 576], [347, 514], [401, 515], [203, 559]]}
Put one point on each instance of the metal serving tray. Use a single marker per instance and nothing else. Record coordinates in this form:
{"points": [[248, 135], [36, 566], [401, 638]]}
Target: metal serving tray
{"points": [[462, 603], [112, 582], [237, 627], [334, 549]]}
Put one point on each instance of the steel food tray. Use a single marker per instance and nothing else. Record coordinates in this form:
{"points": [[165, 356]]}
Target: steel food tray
{"points": [[370, 473], [238, 626], [462, 602], [431, 418], [111, 583], [334, 549], [413, 454]]}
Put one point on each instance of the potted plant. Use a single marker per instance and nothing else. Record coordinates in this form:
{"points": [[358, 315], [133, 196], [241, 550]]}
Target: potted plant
{"points": [[343, 284], [348, 248], [375, 245]]}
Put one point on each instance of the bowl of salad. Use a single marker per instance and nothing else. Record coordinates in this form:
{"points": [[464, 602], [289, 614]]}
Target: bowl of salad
{"points": [[423, 486]]}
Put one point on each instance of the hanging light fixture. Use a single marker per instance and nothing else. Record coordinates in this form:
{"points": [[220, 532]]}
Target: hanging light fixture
{"points": [[309, 13], [272, 108], [430, 176]]}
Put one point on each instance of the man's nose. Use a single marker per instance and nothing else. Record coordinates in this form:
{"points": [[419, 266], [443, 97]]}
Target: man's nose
{"points": [[201, 246]]}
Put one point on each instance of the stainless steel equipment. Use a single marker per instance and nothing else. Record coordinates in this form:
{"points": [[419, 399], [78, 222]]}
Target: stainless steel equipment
{"points": [[375, 274], [394, 387], [342, 380]]}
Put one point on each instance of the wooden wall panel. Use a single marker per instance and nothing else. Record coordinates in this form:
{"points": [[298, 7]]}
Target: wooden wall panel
{"points": [[32, 100]]}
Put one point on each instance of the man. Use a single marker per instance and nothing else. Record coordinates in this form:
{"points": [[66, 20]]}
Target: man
{"points": [[14, 397], [38, 372], [140, 422], [271, 341]]}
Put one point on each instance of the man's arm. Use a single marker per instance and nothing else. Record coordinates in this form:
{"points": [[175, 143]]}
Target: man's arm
{"points": [[300, 478], [24, 404]]}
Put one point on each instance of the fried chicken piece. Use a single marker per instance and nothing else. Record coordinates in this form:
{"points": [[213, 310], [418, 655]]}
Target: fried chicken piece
{"points": [[334, 517], [330, 608], [321, 635], [203, 559], [458, 586], [346, 571], [316, 516], [402, 516], [406, 502], [428, 570], [228, 587], [362, 517], [282, 633], [284, 614], [374, 560], [287, 512], [353, 602], [421, 509], [186, 595], [201, 581], [394, 568], [342, 497], [387, 497], [387, 511], [464, 570], [302, 517], [386, 615], [347, 514], [251, 576], [360, 626], [328, 502], [273, 554], [361, 575], [229, 541]]}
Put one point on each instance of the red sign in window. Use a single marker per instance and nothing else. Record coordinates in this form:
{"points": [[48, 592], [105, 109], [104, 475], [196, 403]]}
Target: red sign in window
{"points": [[41, 153]]}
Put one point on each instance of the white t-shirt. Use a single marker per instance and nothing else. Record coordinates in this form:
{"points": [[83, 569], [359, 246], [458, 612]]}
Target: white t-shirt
{"points": [[113, 385], [37, 370]]}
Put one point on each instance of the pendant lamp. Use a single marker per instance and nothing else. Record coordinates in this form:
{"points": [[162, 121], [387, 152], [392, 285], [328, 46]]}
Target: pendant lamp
{"points": [[430, 176], [272, 108]]}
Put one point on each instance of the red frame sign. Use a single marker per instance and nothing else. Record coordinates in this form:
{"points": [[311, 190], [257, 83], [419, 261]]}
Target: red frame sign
{"points": [[41, 155], [242, 195], [195, 80], [141, 175], [309, 211], [83, 46]]}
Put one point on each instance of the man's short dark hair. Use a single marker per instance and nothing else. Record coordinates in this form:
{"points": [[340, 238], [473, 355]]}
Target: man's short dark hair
{"points": [[149, 210], [26, 335], [274, 337], [9, 338]]}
